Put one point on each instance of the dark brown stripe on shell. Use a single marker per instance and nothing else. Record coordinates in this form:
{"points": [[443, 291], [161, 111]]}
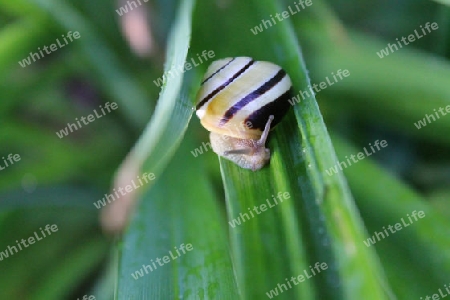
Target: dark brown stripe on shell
{"points": [[220, 69], [278, 108], [224, 85], [252, 96]]}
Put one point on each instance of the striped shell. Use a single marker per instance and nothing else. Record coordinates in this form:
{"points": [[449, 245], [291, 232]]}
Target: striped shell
{"points": [[239, 94]]}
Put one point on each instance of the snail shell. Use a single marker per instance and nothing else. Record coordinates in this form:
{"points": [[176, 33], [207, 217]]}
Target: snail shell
{"points": [[238, 102]]}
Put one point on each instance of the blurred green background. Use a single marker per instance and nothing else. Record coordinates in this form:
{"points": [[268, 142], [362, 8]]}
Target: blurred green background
{"points": [[118, 58]]}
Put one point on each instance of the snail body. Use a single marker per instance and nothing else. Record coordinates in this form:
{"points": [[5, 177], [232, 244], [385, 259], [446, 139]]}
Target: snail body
{"points": [[240, 99]]}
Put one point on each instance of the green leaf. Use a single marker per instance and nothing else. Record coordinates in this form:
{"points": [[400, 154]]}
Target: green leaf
{"points": [[56, 161], [117, 82], [54, 265], [173, 111], [320, 222], [81, 261], [444, 2], [424, 237], [164, 219], [170, 214], [395, 86]]}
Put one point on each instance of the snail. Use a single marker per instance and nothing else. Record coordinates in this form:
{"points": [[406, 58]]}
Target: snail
{"points": [[239, 101]]}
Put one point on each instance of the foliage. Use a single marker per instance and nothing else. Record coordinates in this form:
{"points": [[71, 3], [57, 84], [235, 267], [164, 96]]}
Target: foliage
{"points": [[194, 198]]}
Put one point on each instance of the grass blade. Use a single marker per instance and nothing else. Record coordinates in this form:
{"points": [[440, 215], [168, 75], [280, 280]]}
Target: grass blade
{"points": [[320, 223], [166, 218]]}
